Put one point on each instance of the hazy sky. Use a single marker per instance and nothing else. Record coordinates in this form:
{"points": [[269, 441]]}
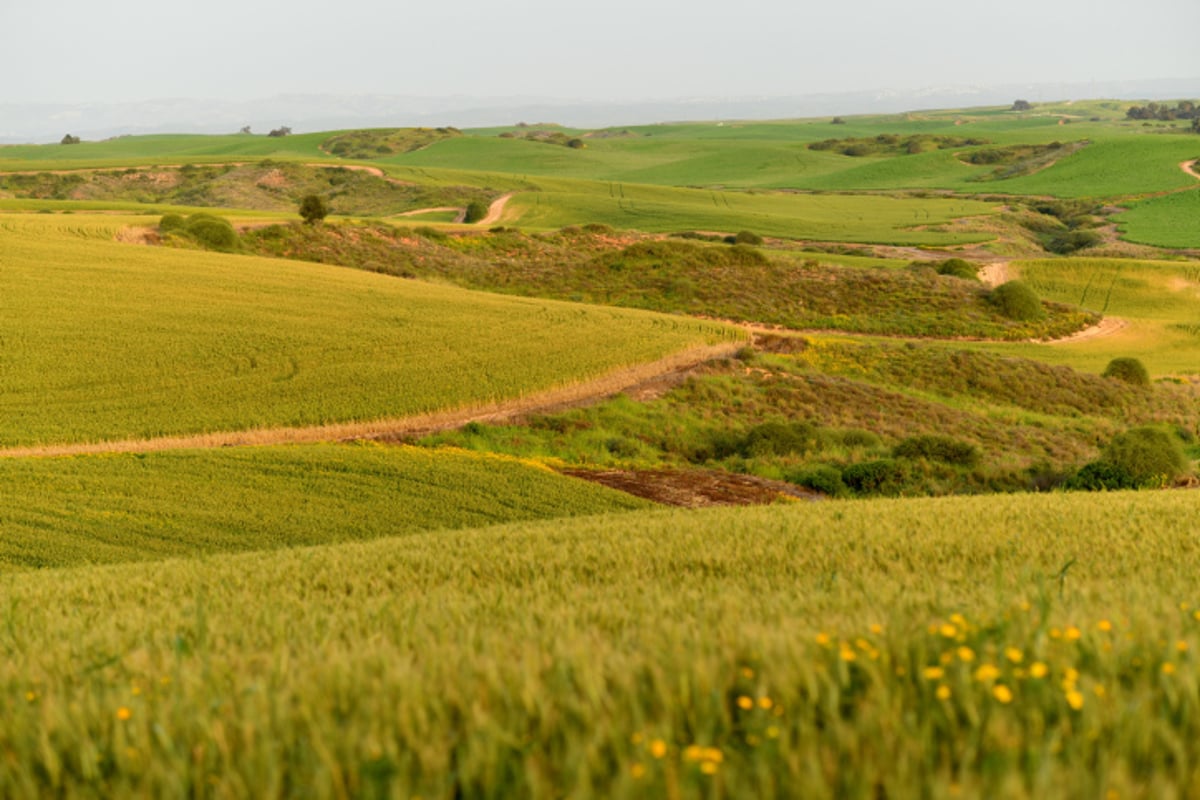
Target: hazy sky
{"points": [[129, 50]]}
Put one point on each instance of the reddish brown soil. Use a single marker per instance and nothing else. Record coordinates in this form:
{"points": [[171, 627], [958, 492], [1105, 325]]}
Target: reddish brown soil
{"points": [[694, 488]]}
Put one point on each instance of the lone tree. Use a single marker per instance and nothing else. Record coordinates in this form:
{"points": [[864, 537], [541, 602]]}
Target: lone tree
{"points": [[280, 132], [69, 139], [313, 209], [1021, 105]]}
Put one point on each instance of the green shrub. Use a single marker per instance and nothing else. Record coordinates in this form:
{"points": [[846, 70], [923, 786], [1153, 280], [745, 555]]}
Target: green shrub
{"points": [[1070, 241], [779, 438], [854, 438], [1128, 370], [171, 222], [212, 232], [747, 237], [822, 478], [1101, 476], [313, 209], [1149, 455], [475, 212], [1016, 300], [939, 448], [886, 477], [959, 268]]}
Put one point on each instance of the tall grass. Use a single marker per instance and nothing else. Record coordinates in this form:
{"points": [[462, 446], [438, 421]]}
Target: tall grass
{"points": [[1008, 646]]}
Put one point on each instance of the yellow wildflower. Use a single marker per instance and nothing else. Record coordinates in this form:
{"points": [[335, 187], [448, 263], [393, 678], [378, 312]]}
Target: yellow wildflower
{"points": [[1038, 670], [637, 771], [772, 732], [658, 748], [765, 702], [1181, 646], [1075, 699], [823, 639], [1104, 625], [966, 654], [847, 653], [693, 752], [1002, 693], [1072, 633], [713, 754], [1168, 668], [934, 673], [876, 628], [124, 713], [947, 630], [1014, 655], [987, 672], [943, 692], [709, 768], [745, 703]]}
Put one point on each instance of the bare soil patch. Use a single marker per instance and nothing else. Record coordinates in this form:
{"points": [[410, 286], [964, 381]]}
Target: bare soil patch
{"points": [[694, 488], [496, 210]]}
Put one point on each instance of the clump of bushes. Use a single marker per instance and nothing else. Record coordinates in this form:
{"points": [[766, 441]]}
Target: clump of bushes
{"points": [[779, 438], [1138, 458], [1128, 370], [206, 230], [959, 268], [1017, 301], [744, 237], [939, 448], [889, 477], [822, 478]]}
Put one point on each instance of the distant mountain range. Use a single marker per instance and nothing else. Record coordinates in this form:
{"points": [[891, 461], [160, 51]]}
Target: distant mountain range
{"points": [[49, 122]]}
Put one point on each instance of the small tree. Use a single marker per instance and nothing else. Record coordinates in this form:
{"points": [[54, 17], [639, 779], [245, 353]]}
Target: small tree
{"points": [[1016, 300], [1149, 455], [69, 139], [313, 209], [280, 132], [1021, 105], [475, 212], [245, 129]]}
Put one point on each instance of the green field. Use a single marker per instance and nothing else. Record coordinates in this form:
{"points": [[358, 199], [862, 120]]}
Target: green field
{"points": [[102, 340], [346, 619], [81, 510], [1019, 646]]}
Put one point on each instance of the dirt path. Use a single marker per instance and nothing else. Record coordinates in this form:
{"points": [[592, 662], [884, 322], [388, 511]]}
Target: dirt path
{"points": [[405, 427], [1190, 168], [1106, 327], [996, 273], [459, 210], [496, 210]]}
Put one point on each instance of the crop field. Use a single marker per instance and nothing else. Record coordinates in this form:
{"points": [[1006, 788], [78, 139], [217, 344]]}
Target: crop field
{"points": [[1168, 221], [101, 340], [305, 517], [92, 509], [1159, 301], [1003, 646]]}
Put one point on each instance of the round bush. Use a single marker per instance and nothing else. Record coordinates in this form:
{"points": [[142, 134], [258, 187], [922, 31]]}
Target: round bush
{"points": [[747, 237], [475, 212], [1016, 300], [1128, 370], [959, 268], [1100, 476], [1149, 455], [212, 232], [171, 222], [779, 438], [884, 477], [822, 478]]}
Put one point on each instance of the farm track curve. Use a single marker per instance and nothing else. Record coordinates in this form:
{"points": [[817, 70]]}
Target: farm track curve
{"points": [[405, 427]]}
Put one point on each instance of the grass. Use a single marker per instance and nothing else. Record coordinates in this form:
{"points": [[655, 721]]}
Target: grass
{"points": [[1158, 299], [762, 652], [109, 341], [82, 510], [1166, 221]]}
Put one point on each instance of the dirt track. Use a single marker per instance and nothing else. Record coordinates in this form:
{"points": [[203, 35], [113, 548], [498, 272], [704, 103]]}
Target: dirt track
{"points": [[404, 427], [1190, 168], [496, 210]]}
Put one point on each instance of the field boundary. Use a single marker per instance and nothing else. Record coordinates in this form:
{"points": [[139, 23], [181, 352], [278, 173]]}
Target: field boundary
{"points": [[400, 427]]}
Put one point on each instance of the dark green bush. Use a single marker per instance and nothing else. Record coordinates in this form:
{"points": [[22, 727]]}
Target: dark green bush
{"points": [[959, 268], [171, 222], [1070, 241], [1149, 455], [211, 231], [747, 237], [313, 209], [885, 477], [1128, 370], [822, 478], [939, 448], [855, 438], [779, 438], [1101, 476], [475, 212], [1016, 300]]}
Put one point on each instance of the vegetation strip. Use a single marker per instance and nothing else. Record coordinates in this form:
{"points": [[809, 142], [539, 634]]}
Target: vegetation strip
{"points": [[416, 424]]}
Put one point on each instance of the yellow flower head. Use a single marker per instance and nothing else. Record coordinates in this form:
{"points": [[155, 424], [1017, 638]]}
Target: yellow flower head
{"points": [[1002, 693], [1072, 633], [823, 639], [987, 672], [966, 654], [1038, 670], [745, 703], [1104, 625], [933, 673], [124, 713], [658, 748], [947, 630], [765, 702], [1075, 699], [876, 628], [943, 692], [1181, 646], [1168, 668], [1014, 655]]}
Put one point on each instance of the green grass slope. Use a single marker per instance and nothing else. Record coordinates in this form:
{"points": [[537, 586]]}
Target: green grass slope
{"points": [[1027, 646], [74, 511], [102, 340]]}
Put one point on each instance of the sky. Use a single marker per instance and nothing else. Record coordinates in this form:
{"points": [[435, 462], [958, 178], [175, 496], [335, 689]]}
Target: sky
{"points": [[72, 51]]}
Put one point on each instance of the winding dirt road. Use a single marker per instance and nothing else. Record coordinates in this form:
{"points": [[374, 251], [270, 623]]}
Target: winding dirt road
{"points": [[1190, 168], [550, 400], [496, 210]]}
